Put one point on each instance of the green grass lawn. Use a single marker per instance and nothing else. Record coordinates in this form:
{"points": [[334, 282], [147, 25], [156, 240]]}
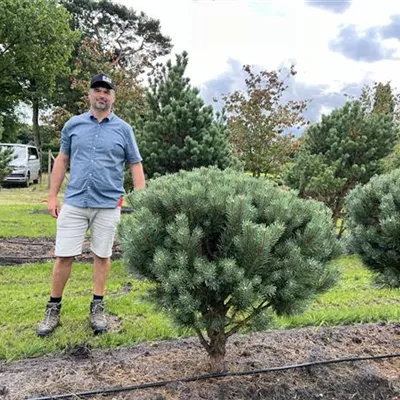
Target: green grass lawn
{"points": [[24, 292], [26, 221], [32, 196], [23, 212], [355, 299]]}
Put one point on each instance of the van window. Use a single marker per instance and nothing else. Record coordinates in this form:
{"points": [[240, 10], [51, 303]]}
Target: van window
{"points": [[32, 152], [19, 152]]}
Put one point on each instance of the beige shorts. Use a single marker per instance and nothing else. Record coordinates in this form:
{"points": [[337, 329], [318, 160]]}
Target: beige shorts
{"points": [[73, 223]]}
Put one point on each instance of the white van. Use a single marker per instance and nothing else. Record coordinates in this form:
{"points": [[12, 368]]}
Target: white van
{"points": [[25, 164]]}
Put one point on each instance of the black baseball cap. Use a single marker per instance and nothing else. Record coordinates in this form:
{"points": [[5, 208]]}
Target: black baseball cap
{"points": [[102, 80]]}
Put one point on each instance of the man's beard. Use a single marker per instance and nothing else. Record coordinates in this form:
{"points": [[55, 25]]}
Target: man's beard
{"points": [[101, 106]]}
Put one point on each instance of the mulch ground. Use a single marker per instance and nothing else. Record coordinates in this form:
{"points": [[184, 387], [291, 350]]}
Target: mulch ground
{"points": [[16, 251], [82, 369]]}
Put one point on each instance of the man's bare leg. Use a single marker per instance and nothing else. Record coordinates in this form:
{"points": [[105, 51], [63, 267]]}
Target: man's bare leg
{"points": [[61, 273], [101, 269]]}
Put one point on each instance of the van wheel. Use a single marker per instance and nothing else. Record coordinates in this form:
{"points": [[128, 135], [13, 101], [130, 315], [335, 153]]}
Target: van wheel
{"points": [[38, 178], [28, 180]]}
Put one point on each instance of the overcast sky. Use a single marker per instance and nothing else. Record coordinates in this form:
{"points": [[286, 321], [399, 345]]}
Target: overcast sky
{"points": [[336, 45]]}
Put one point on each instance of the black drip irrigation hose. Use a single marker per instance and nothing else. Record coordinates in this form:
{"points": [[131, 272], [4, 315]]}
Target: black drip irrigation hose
{"points": [[108, 391]]}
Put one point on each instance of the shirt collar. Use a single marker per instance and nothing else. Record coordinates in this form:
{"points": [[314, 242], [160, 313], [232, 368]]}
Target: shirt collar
{"points": [[108, 118]]}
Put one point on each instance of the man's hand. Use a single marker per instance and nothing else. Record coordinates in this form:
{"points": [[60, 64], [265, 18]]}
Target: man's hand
{"points": [[53, 206]]}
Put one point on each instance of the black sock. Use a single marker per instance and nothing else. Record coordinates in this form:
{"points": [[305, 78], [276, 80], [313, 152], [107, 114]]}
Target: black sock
{"points": [[55, 299], [96, 297]]}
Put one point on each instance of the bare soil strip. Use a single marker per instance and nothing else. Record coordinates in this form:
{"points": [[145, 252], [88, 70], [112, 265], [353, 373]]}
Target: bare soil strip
{"points": [[82, 369]]}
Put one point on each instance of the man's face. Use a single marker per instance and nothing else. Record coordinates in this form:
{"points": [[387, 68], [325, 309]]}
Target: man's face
{"points": [[101, 98]]}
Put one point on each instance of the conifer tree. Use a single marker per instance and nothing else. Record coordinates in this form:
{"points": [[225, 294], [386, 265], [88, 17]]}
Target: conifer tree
{"points": [[180, 131], [384, 100], [380, 98], [344, 149], [5, 156], [226, 250], [373, 213]]}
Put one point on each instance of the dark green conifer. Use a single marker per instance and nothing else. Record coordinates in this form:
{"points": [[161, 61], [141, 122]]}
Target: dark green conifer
{"points": [[345, 148], [180, 131], [225, 251]]}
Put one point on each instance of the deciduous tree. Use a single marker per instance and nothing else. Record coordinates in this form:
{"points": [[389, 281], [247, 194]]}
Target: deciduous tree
{"points": [[258, 121], [35, 45], [116, 40], [132, 38], [130, 101]]}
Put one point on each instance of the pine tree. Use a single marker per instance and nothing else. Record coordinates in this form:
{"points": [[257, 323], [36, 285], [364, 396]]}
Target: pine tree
{"points": [[384, 100], [5, 156], [180, 132], [373, 212], [226, 250], [344, 149], [380, 98]]}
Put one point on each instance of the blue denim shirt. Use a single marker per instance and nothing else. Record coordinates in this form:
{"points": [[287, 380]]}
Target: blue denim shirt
{"points": [[98, 153]]}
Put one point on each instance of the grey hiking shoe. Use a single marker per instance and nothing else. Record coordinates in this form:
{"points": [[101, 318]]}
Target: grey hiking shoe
{"points": [[98, 319], [51, 319]]}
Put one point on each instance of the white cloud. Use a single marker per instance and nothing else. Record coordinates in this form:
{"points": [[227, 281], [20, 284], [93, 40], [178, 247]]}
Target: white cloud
{"points": [[271, 34], [369, 13], [326, 110]]}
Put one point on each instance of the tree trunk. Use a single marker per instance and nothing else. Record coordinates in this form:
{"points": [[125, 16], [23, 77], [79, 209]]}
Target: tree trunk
{"points": [[217, 350], [35, 124], [342, 227]]}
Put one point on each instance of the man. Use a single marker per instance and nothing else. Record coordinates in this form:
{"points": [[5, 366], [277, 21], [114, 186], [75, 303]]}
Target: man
{"points": [[96, 145]]}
